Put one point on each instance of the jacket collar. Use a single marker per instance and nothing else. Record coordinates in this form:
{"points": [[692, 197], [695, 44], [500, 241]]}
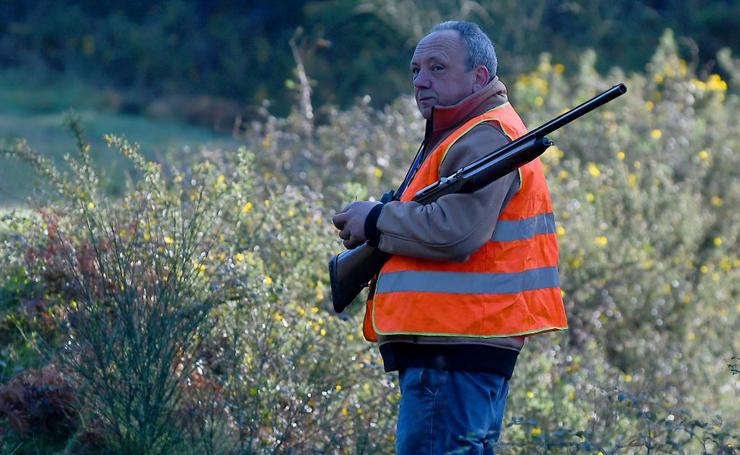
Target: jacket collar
{"points": [[445, 118]]}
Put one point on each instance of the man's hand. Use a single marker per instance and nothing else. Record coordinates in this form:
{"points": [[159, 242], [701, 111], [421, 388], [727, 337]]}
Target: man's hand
{"points": [[351, 222]]}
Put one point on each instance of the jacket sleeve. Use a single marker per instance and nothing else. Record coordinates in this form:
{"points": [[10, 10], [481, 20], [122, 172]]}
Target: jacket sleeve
{"points": [[455, 225]]}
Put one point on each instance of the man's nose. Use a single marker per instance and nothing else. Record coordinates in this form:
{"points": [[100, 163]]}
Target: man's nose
{"points": [[421, 80]]}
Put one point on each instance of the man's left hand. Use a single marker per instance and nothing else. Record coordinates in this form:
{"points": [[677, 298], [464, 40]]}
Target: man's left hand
{"points": [[351, 222]]}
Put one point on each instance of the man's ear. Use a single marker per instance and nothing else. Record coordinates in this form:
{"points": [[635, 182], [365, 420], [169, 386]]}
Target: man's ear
{"points": [[481, 78]]}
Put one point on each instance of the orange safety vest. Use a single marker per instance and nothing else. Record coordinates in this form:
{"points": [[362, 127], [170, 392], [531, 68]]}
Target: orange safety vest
{"points": [[508, 287]]}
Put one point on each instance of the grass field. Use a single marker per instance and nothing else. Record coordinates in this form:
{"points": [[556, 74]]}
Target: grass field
{"points": [[35, 108]]}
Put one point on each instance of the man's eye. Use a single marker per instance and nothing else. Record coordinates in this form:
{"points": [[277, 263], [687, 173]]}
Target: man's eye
{"points": [[437, 68], [415, 71]]}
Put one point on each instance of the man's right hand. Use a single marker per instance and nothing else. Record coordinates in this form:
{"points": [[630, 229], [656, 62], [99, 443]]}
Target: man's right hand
{"points": [[351, 222]]}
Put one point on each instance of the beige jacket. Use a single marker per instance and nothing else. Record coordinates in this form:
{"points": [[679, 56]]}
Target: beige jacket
{"points": [[455, 225]]}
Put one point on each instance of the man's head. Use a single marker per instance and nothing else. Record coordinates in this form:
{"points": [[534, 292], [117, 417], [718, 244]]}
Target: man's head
{"points": [[454, 60]]}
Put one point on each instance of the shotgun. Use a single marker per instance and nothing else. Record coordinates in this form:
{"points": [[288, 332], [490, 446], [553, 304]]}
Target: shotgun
{"points": [[352, 270]]}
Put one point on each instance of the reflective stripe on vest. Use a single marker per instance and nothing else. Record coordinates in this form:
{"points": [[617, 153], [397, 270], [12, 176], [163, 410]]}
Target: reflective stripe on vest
{"points": [[508, 287], [468, 283], [524, 229]]}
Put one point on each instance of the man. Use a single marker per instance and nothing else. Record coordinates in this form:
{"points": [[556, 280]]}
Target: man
{"points": [[470, 274]]}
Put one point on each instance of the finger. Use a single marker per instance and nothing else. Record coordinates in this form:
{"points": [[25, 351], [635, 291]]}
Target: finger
{"points": [[350, 244], [345, 234], [339, 220], [353, 242]]}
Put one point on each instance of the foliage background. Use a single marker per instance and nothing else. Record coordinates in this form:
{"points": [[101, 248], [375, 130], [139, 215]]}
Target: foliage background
{"points": [[152, 49], [203, 260]]}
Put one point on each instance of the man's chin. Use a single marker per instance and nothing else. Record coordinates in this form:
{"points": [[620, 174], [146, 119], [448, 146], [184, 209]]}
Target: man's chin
{"points": [[425, 107]]}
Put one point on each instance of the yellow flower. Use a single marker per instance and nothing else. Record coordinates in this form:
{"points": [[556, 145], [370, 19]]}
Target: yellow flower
{"points": [[594, 170], [703, 269], [601, 241], [715, 83], [656, 133], [560, 231], [590, 197], [559, 68], [377, 172], [536, 431], [167, 239], [530, 394], [621, 156], [649, 105], [315, 310], [704, 155], [539, 101], [90, 205], [338, 387], [221, 179], [691, 336], [658, 78], [627, 378], [345, 411], [247, 207], [301, 312], [278, 316], [267, 281], [632, 180], [239, 257], [717, 241], [717, 201]]}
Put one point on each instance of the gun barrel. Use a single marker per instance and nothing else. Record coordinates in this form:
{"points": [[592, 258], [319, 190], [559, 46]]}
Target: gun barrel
{"points": [[580, 110], [547, 128]]}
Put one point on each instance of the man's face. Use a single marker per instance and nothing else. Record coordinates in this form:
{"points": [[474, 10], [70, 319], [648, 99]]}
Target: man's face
{"points": [[439, 71]]}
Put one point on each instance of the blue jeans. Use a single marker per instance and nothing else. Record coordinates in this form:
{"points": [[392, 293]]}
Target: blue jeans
{"points": [[449, 411]]}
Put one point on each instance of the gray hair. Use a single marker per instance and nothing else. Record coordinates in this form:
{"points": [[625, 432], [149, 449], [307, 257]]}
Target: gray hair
{"points": [[479, 45]]}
